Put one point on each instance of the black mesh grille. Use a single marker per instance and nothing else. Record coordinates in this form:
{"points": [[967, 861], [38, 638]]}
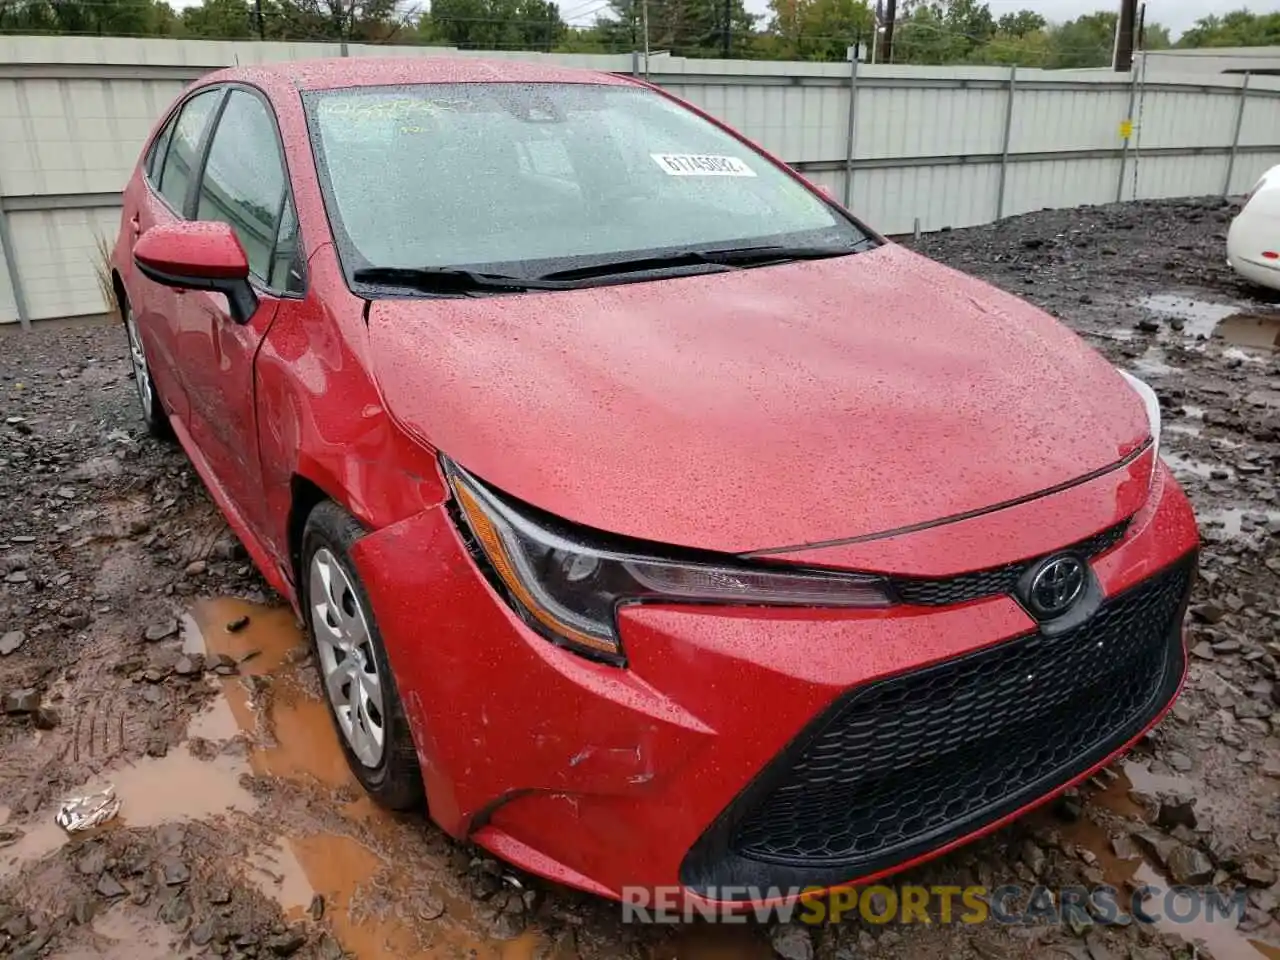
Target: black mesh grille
{"points": [[903, 765], [940, 592]]}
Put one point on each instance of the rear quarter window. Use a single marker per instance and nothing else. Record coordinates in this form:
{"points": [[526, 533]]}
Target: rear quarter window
{"points": [[159, 147]]}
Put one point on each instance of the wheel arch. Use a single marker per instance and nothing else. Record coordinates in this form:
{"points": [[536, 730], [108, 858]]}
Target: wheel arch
{"points": [[122, 295], [305, 494]]}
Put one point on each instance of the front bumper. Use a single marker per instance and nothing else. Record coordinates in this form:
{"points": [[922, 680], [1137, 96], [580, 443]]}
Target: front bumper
{"points": [[669, 772]]}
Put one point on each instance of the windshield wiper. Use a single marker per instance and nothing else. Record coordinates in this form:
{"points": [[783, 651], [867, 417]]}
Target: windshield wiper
{"points": [[726, 258], [667, 261], [449, 280], [741, 256], [461, 280]]}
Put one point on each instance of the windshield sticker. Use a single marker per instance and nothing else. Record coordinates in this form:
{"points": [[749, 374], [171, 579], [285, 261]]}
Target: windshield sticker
{"points": [[701, 165]]}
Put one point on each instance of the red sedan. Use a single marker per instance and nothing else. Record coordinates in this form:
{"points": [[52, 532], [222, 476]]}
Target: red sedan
{"points": [[652, 517]]}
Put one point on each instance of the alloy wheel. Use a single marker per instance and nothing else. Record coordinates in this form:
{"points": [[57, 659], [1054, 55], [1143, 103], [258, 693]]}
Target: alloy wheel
{"points": [[141, 376], [348, 668]]}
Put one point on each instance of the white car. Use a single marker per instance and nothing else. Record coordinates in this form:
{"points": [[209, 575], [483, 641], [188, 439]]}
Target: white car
{"points": [[1253, 242]]}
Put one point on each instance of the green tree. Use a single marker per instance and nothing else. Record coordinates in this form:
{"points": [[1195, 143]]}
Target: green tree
{"points": [[357, 21], [220, 20], [1020, 24], [943, 31], [494, 24], [1155, 37], [682, 27], [103, 17], [1087, 41], [1030, 49], [1239, 28], [587, 40], [818, 29]]}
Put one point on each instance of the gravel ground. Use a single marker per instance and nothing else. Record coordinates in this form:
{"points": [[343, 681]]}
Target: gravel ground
{"points": [[139, 648]]}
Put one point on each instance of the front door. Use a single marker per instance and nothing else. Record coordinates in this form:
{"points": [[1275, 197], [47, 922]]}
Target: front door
{"points": [[162, 198], [244, 184]]}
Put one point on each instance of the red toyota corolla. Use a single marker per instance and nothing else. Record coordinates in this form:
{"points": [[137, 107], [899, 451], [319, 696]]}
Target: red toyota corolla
{"points": [[656, 519]]}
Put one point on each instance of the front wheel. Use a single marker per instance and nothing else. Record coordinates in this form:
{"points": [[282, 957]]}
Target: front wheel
{"points": [[153, 414], [355, 674]]}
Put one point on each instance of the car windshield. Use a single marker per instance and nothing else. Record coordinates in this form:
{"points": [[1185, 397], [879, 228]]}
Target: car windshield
{"points": [[528, 179]]}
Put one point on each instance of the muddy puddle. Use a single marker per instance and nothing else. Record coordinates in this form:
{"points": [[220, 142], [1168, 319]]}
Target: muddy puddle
{"points": [[1125, 867], [120, 936], [376, 889], [374, 872], [1200, 319]]}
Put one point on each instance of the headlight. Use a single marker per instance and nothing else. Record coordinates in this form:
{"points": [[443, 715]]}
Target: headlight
{"points": [[1151, 402], [568, 584]]}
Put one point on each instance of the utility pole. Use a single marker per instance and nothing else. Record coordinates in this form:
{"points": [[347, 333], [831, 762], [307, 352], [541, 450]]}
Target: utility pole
{"points": [[644, 25], [726, 41], [886, 36], [257, 16], [1124, 36]]}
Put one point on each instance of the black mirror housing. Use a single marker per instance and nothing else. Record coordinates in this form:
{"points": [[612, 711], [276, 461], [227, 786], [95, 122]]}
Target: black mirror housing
{"points": [[242, 301]]}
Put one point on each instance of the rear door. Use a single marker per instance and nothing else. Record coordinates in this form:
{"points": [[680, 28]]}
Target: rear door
{"points": [[163, 196], [244, 182]]}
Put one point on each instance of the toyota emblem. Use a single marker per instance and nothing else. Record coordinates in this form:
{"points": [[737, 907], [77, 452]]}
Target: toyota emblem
{"points": [[1056, 585]]}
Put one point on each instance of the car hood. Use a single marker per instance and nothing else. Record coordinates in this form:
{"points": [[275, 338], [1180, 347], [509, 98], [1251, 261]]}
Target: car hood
{"points": [[758, 408]]}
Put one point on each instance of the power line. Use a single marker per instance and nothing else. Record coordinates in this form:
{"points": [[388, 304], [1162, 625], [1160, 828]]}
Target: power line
{"points": [[584, 9]]}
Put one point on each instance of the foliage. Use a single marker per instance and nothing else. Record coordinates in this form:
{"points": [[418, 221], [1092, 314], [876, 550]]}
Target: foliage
{"points": [[102, 271], [493, 24], [1240, 28], [818, 29], [1020, 24], [688, 28], [229, 19], [130, 17]]}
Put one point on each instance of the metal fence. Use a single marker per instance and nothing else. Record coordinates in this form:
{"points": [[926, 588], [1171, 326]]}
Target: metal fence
{"points": [[906, 147]]}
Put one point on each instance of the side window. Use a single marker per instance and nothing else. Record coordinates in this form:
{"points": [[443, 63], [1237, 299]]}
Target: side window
{"points": [[159, 147], [183, 155], [244, 180], [286, 269]]}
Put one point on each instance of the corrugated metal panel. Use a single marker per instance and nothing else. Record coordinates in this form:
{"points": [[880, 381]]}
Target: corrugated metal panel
{"points": [[1186, 176], [942, 195], [1035, 185], [1261, 121], [929, 122], [1188, 119], [1073, 119], [57, 256]]}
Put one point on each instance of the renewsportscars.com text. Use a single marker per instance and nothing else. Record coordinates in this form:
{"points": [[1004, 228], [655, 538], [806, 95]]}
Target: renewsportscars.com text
{"points": [[879, 904]]}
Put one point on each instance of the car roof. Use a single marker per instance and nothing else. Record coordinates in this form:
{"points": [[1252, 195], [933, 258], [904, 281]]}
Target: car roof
{"points": [[340, 72]]}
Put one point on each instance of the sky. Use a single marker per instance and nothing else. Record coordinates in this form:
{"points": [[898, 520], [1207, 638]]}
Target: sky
{"points": [[1177, 15]]}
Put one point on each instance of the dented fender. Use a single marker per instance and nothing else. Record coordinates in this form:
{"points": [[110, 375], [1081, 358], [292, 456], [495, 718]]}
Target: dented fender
{"points": [[483, 733]]}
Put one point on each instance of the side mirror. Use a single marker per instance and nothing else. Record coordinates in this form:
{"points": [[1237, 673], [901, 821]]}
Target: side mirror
{"points": [[199, 255]]}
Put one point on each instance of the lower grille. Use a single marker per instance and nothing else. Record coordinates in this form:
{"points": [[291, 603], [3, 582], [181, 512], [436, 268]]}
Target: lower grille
{"points": [[903, 765]]}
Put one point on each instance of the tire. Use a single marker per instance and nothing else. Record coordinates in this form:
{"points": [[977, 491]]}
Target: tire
{"points": [[355, 675], [153, 414]]}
